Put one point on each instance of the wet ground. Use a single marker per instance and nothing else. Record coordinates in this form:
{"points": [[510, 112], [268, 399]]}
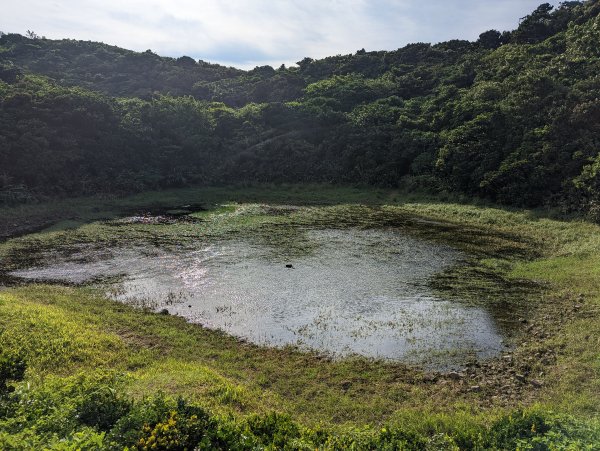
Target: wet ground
{"points": [[362, 287]]}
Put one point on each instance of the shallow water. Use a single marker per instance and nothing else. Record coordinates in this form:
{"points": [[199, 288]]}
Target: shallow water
{"points": [[352, 292]]}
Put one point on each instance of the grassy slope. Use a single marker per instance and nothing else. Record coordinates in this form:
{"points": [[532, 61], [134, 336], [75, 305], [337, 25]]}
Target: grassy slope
{"points": [[66, 330], [569, 264]]}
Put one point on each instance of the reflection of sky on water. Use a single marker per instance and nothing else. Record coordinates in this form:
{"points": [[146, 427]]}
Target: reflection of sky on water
{"points": [[357, 291]]}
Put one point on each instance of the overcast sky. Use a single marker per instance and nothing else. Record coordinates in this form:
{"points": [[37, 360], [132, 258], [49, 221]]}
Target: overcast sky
{"points": [[247, 33]]}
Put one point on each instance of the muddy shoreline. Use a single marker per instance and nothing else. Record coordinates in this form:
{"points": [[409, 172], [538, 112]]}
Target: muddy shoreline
{"points": [[515, 376]]}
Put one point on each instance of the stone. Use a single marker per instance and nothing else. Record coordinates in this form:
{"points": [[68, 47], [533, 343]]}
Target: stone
{"points": [[455, 376], [429, 378]]}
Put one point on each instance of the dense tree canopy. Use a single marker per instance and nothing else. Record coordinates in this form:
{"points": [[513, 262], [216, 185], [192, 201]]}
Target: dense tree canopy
{"points": [[513, 117]]}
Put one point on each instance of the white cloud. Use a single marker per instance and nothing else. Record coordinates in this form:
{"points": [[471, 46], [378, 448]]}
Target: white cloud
{"points": [[245, 33]]}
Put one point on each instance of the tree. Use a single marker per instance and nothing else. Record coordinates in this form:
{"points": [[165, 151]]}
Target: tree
{"points": [[491, 39], [31, 35]]}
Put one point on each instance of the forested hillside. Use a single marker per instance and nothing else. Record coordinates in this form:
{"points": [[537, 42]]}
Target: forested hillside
{"points": [[513, 117]]}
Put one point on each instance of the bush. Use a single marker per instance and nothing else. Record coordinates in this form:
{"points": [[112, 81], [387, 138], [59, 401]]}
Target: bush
{"points": [[12, 368], [162, 423], [511, 429], [93, 412], [102, 407], [274, 429], [541, 430]]}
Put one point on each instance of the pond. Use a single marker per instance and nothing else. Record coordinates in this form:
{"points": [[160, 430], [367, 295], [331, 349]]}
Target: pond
{"points": [[344, 291]]}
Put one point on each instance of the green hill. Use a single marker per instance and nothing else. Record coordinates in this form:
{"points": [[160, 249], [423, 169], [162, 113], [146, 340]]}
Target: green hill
{"points": [[513, 117]]}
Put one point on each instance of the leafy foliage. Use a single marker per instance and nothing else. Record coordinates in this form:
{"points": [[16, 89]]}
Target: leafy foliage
{"points": [[512, 117], [49, 417]]}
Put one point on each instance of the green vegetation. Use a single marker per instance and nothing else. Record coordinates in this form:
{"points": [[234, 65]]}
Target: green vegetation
{"points": [[446, 141], [512, 117], [100, 374]]}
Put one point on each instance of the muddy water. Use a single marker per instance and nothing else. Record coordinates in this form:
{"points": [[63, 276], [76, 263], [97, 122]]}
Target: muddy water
{"points": [[354, 292]]}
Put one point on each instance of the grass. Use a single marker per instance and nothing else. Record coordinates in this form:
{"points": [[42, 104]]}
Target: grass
{"points": [[62, 331]]}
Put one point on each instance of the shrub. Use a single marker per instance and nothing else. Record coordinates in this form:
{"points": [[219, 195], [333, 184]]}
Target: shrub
{"points": [[507, 431], [102, 407], [12, 368], [273, 429], [163, 423], [541, 430]]}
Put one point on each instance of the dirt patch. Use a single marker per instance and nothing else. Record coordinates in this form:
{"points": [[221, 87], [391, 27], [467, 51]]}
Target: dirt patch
{"points": [[137, 341]]}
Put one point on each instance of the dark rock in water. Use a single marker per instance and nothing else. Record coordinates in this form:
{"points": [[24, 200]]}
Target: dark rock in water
{"points": [[289, 265], [189, 306]]}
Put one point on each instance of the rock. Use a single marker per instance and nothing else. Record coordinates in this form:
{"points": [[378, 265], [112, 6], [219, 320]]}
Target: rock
{"points": [[455, 376], [164, 312], [520, 377], [289, 265], [346, 385], [429, 378], [475, 388], [536, 383]]}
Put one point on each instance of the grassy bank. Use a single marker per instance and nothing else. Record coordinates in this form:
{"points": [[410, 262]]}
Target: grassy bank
{"points": [[69, 213], [75, 343]]}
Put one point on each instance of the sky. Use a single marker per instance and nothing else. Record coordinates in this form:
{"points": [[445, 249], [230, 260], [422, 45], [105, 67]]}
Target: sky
{"points": [[249, 33]]}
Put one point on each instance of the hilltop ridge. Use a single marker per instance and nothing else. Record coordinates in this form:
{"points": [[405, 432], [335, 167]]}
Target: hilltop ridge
{"points": [[512, 117]]}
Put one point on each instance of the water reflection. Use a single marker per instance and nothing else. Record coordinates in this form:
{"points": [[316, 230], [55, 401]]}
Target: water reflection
{"points": [[356, 292]]}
